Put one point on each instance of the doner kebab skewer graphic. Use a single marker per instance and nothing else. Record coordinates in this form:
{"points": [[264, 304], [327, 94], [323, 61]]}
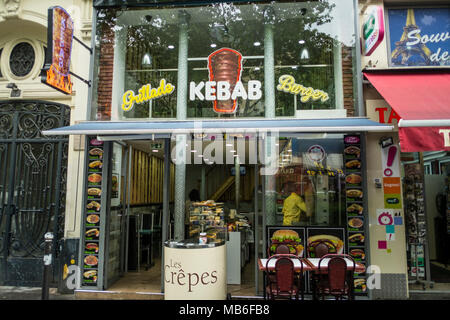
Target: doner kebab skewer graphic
{"points": [[225, 64]]}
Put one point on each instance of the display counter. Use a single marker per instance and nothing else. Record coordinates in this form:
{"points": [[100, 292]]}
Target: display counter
{"points": [[194, 271]]}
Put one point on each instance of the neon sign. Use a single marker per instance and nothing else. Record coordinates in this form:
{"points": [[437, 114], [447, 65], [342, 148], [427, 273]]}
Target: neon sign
{"points": [[59, 40], [224, 86], [146, 93], [287, 84]]}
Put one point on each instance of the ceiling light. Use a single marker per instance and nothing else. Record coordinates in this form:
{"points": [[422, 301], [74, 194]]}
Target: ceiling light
{"points": [[194, 150], [171, 47], [154, 150], [257, 43], [213, 45], [147, 60], [305, 54], [301, 41], [229, 144], [232, 150]]}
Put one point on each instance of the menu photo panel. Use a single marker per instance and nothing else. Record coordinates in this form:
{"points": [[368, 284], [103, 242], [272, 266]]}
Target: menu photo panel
{"points": [[354, 195], [93, 211]]}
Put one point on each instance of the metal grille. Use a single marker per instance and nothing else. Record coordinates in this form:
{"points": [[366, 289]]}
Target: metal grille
{"points": [[32, 186], [21, 59]]}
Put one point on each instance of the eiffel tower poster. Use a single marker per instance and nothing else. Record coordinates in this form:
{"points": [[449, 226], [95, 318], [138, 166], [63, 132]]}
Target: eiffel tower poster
{"points": [[424, 39]]}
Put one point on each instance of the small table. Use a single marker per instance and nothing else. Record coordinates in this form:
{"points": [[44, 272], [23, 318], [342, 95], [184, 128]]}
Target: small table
{"points": [[314, 264], [262, 265]]}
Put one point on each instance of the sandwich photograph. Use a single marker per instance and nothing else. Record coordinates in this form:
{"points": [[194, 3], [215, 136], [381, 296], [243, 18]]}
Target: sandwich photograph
{"points": [[286, 240]]}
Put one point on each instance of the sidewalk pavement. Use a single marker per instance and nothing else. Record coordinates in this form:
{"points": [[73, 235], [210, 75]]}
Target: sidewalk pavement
{"points": [[31, 293]]}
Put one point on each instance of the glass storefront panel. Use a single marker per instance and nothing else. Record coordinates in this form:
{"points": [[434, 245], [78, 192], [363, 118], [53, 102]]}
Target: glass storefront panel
{"points": [[240, 60], [312, 168]]}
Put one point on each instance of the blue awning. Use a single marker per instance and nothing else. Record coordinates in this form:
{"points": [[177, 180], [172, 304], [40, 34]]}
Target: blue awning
{"points": [[353, 124]]}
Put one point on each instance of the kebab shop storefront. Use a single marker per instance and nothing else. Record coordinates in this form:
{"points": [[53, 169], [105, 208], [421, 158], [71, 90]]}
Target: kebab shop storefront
{"points": [[203, 121]]}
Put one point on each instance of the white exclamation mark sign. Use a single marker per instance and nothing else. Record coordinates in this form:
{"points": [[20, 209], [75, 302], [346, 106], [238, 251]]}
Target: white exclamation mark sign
{"points": [[392, 152]]}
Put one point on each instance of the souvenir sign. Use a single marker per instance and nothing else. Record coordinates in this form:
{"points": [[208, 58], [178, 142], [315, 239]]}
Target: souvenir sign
{"points": [[419, 37]]}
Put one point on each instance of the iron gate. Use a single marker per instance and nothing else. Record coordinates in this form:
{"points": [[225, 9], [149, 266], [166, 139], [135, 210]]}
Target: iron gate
{"points": [[32, 188]]}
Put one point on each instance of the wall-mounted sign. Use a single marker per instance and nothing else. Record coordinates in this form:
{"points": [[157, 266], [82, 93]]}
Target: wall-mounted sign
{"points": [[146, 93], [287, 84], [372, 29], [59, 47], [419, 37]]}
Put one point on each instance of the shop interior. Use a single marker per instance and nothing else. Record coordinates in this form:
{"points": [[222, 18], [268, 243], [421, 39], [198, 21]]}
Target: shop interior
{"points": [[134, 261]]}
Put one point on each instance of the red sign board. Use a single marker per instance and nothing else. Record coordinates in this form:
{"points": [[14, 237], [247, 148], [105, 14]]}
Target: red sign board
{"points": [[59, 47], [420, 139]]}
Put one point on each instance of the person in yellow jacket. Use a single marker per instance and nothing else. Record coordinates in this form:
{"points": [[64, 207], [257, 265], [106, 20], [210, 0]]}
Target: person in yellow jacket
{"points": [[293, 206]]}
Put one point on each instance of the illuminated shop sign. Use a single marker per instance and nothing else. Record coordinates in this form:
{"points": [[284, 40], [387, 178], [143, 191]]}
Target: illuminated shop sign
{"points": [[145, 94], [373, 29], [418, 37], [224, 86], [287, 84], [59, 41]]}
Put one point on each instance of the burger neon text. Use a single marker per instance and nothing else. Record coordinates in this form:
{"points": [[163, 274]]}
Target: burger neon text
{"points": [[220, 90]]}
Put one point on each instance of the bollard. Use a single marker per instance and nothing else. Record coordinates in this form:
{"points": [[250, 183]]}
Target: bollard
{"points": [[47, 265]]}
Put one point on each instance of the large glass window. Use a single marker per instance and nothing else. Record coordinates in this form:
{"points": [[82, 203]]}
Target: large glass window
{"points": [[311, 167], [227, 60]]}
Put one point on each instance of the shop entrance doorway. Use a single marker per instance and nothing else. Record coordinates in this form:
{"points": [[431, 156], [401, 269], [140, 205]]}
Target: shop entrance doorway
{"points": [[136, 219]]}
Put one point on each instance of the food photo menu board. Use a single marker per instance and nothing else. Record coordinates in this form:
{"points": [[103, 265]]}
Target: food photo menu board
{"points": [[354, 195], [93, 208]]}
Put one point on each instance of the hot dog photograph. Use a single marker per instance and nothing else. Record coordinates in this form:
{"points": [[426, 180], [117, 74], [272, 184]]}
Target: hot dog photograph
{"points": [[329, 240]]}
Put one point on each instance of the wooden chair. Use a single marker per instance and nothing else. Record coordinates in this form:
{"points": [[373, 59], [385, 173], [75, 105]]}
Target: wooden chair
{"points": [[336, 278], [280, 249], [322, 248], [282, 283]]}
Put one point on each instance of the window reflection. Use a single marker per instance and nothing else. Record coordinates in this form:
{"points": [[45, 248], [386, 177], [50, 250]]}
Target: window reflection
{"points": [[311, 169]]}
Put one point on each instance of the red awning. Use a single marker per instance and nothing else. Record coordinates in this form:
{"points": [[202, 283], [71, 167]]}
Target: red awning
{"points": [[422, 100]]}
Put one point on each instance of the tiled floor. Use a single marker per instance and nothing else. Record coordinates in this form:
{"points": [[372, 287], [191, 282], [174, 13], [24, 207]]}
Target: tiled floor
{"points": [[147, 285], [150, 281]]}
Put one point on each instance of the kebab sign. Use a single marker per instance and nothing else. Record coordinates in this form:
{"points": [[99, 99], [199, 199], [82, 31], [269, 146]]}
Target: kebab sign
{"points": [[224, 86]]}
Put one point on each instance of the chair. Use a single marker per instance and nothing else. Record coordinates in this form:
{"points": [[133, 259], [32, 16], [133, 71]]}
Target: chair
{"points": [[322, 248], [337, 278], [282, 283], [281, 249]]}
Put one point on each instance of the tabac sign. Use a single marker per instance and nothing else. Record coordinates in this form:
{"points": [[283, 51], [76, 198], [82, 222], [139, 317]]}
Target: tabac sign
{"points": [[59, 41]]}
